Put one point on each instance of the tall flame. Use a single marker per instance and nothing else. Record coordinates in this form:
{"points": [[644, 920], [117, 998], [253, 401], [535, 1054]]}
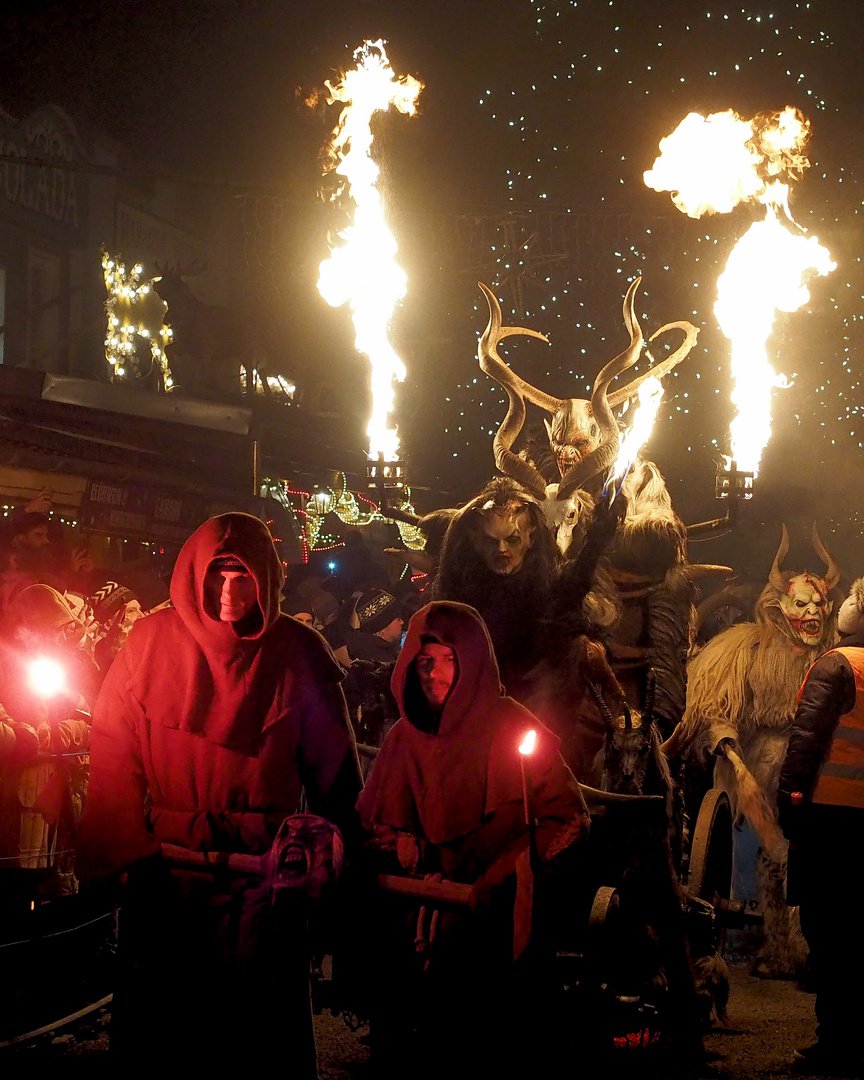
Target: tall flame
{"points": [[710, 164], [362, 270]]}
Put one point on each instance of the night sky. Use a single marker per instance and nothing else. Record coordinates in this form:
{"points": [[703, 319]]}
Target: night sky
{"points": [[523, 169]]}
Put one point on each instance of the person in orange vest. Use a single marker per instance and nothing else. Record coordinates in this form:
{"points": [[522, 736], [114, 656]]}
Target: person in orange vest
{"points": [[821, 805]]}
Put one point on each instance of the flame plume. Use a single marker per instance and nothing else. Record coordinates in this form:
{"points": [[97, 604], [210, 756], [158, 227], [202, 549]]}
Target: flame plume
{"points": [[710, 165], [362, 269], [648, 398]]}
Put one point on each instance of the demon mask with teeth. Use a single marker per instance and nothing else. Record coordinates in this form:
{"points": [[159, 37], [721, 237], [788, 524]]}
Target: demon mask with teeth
{"points": [[306, 855], [802, 599]]}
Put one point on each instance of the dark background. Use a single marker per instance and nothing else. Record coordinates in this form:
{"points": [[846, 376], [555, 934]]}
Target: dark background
{"points": [[523, 169]]}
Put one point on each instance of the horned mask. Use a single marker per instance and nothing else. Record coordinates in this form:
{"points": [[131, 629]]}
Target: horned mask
{"points": [[583, 434], [803, 598]]}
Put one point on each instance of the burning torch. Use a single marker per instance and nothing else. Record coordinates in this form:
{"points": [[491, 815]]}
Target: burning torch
{"points": [[526, 749], [362, 269]]}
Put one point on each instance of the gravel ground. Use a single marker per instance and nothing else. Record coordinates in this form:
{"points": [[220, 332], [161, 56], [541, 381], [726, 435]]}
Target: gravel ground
{"points": [[766, 1021]]}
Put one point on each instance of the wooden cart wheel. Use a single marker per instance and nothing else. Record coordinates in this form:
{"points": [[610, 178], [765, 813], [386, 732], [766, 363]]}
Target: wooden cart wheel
{"points": [[710, 872]]}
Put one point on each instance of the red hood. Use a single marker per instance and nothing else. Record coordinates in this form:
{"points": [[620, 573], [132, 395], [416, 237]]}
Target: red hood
{"points": [[478, 683], [245, 538]]}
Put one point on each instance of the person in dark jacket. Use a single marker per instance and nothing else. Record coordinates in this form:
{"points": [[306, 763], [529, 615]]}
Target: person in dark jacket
{"points": [[216, 717], [379, 632], [821, 805]]}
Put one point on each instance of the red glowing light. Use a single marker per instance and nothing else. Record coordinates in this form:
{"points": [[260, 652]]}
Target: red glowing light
{"points": [[47, 677]]}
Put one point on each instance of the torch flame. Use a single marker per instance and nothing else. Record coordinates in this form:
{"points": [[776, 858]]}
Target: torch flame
{"points": [[47, 677], [710, 165], [648, 397], [528, 743], [362, 271]]}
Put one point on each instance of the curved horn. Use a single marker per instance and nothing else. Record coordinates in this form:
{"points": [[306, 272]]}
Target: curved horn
{"points": [[832, 574], [602, 705], [601, 458], [492, 363], [628, 719], [517, 390], [650, 693], [664, 367], [776, 577]]}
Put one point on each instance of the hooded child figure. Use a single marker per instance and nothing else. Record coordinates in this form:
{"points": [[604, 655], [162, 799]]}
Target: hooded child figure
{"points": [[445, 797]]}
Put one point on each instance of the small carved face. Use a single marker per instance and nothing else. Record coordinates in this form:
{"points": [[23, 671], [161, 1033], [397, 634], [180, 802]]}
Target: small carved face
{"points": [[505, 538], [806, 606], [573, 433]]}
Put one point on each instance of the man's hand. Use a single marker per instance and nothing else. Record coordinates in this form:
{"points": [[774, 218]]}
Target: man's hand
{"points": [[41, 504], [81, 560]]}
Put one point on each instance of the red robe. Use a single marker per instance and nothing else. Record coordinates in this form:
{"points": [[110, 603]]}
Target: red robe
{"points": [[459, 791], [204, 735], [221, 729]]}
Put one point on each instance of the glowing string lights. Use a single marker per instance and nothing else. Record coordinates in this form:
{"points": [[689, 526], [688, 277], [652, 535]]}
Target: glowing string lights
{"points": [[347, 508], [135, 322]]}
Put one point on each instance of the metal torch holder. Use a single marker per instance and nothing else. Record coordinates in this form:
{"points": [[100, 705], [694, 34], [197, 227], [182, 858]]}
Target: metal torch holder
{"points": [[735, 487], [385, 478], [733, 484]]}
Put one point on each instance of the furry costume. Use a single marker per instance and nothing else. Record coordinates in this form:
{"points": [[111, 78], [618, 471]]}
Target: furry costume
{"points": [[741, 694]]}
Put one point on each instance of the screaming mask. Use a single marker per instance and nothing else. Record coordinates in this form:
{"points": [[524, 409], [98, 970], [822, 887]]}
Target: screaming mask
{"points": [[803, 598], [306, 855], [806, 607]]}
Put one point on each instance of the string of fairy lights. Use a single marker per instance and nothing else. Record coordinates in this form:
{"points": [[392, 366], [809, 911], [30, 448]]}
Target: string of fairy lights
{"points": [[310, 510], [136, 325], [579, 120]]}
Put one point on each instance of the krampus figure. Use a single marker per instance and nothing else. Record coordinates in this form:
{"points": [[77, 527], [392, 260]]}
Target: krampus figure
{"points": [[645, 573], [741, 694], [499, 556]]}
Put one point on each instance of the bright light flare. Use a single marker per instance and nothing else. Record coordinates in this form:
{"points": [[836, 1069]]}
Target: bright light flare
{"points": [[46, 677], [528, 743], [710, 165], [648, 398], [362, 270]]}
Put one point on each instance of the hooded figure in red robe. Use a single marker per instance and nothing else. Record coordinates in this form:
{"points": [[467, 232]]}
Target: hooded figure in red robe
{"points": [[446, 797], [216, 716]]}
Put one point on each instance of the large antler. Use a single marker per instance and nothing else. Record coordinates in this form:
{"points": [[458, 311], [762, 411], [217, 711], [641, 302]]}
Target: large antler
{"points": [[517, 390], [658, 371], [602, 457], [832, 574], [776, 576]]}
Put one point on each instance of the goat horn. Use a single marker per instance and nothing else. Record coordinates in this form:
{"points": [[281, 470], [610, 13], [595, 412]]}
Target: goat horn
{"points": [[776, 576], [600, 459], [628, 719], [650, 693], [832, 574], [517, 390], [658, 371], [601, 701]]}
